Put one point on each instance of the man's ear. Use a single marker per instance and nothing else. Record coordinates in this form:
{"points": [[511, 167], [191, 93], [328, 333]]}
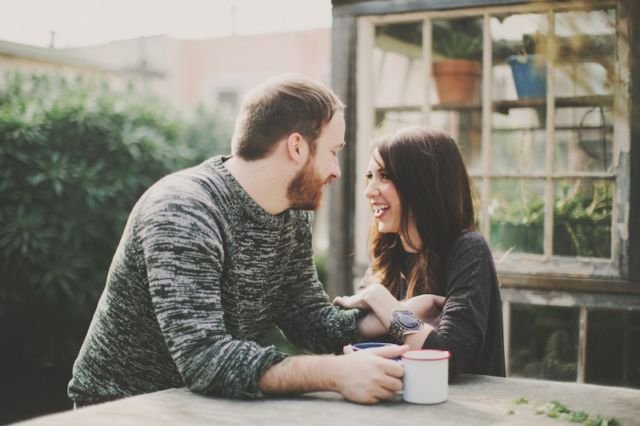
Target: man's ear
{"points": [[297, 148]]}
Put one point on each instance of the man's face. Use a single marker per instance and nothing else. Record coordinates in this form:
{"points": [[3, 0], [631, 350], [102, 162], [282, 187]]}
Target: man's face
{"points": [[305, 189]]}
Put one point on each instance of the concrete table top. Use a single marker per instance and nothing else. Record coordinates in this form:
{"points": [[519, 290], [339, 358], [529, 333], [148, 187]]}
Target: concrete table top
{"points": [[473, 400]]}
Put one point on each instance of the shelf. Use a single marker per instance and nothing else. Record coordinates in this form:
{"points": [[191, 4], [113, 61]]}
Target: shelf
{"points": [[608, 128], [403, 108], [504, 106]]}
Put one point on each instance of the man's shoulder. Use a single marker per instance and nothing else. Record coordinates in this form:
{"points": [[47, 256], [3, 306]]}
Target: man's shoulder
{"points": [[193, 183], [302, 216], [195, 191]]}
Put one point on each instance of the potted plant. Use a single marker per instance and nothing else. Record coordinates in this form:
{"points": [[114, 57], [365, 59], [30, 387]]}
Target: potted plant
{"points": [[457, 69]]}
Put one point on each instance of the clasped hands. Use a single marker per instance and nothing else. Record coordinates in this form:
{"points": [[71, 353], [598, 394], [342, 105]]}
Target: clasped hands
{"points": [[378, 378], [377, 298]]}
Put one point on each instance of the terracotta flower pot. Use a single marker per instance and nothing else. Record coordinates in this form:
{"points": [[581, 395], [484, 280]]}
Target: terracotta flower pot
{"points": [[457, 80]]}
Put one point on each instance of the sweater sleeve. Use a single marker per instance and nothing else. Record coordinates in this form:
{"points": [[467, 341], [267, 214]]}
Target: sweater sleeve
{"points": [[463, 324], [182, 251], [309, 320]]}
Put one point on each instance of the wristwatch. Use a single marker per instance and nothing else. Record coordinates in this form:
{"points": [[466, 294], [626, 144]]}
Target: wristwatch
{"points": [[403, 323]]}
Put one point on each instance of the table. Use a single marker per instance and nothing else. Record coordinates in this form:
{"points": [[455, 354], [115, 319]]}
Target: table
{"points": [[473, 400]]}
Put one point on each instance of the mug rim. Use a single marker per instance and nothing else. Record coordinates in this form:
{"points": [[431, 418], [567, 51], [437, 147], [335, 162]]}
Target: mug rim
{"points": [[371, 345], [437, 355]]}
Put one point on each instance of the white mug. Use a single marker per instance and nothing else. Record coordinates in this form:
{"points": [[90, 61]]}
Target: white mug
{"points": [[426, 376]]}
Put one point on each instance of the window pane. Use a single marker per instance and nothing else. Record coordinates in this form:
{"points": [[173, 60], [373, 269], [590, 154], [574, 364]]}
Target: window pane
{"points": [[586, 52], [519, 93], [544, 342], [516, 212], [582, 218], [457, 83], [584, 140], [388, 121], [518, 151], [613, 329], [465, 128], [518, 56], [398, 68]]}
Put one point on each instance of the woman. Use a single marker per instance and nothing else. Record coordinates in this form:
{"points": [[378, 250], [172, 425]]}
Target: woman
{"points": [[437, 286]]}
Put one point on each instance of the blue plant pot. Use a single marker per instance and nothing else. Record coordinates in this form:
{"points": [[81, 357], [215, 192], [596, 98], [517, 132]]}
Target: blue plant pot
{"points": [[529, 74]]}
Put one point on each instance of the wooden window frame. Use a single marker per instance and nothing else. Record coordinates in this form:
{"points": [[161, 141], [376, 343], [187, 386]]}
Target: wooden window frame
{"points": [[547, 263]]}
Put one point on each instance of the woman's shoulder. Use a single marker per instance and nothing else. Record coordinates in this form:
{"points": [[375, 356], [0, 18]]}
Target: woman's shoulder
{"points": [[470, 241], [470, 252]]}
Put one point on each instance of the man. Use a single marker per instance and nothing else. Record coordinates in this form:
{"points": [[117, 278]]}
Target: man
{"points": [[212, 256]]}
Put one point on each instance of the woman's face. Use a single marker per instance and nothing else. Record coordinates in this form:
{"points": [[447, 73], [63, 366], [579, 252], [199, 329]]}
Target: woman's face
{"points": [[383, 196], [385, 204]]}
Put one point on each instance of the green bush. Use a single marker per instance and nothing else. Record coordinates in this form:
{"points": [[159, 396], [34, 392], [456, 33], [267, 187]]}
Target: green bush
{"points": [[74, 157]]}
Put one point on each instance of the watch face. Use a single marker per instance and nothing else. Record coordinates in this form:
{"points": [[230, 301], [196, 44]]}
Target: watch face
{"points": [[407, 320]]}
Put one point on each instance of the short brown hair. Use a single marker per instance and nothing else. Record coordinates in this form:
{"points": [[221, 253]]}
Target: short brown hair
{"points": [[279, 107]]}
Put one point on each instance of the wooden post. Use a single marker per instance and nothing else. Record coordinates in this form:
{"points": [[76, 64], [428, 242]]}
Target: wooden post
{"points": [[341, 192], [506, 324], [582, 344]]}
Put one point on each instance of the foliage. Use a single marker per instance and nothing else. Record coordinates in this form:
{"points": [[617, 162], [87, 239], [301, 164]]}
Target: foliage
{"points": [[544, 343], [207, 130], [557, 410], [458, 39], [458, 45], [74, 157], [582, 221], [321, 268]]}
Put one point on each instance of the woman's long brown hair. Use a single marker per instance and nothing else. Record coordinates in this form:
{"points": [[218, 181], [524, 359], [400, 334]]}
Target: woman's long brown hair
{"points": [[429, 174]]}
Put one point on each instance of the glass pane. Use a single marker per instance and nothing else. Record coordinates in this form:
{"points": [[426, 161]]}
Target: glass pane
{"points": [[519, 93], [457, 79], [544, 342], [613, 329], [457, 61], [518, 150], [389, 120], [516, 212], [519, 64], [582, 218], [398, 68], [586, 52], [465, 128], [584, 140]]}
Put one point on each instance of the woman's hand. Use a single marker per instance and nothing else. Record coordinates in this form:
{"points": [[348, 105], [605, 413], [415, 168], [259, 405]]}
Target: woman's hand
{"points": [[427, 307], [362, 299], [355, 301]]}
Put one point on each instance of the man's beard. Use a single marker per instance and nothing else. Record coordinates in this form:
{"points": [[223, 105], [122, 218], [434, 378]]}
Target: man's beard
{"points": [[305, 189]]}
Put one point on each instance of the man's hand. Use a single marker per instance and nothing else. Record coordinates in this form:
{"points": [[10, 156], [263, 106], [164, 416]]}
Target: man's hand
{"points": [[427, 307], [368, 376], [365, 377]]}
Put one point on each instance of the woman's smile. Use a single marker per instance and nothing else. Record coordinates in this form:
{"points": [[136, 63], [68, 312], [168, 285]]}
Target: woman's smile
{"points": [[379, 210]]}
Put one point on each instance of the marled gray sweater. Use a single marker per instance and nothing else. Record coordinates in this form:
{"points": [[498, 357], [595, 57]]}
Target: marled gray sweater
{"points": [[199, 277]]}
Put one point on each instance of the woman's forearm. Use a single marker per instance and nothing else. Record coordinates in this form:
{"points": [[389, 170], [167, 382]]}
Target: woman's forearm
{"points": [[382, 304], [370, 326]]}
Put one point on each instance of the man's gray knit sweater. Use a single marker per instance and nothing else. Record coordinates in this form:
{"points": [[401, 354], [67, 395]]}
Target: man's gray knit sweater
{"points": [[199, 277]]}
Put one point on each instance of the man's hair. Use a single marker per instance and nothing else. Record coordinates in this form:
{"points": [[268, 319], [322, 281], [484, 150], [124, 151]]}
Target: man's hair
{"points": [[428, 171], [279, 107]]}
